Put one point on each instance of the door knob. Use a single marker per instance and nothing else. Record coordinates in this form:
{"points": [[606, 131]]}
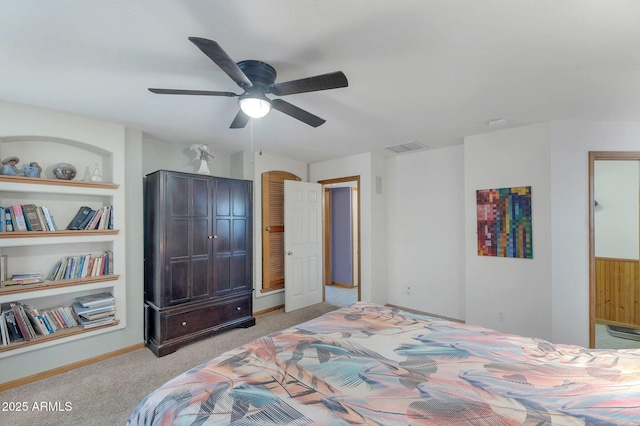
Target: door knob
{"points": [[289, 253], [267, 228]]}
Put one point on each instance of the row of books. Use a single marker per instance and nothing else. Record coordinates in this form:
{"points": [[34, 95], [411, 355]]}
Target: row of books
{"points": [[20, 322], [26, 217], [72, 267], [87, 218]]}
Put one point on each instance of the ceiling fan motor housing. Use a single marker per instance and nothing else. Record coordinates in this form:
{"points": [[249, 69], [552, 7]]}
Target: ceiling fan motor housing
{"points": [[260, 73]]}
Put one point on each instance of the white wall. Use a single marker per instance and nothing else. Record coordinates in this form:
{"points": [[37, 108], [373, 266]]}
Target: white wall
{"points": [[550, 299], [570, 146], [373, 216], [617, 190], [160, 155], [425, 212], [520, 288]]}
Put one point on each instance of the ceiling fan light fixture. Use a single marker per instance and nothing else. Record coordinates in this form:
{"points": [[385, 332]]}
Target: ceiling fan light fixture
{"points": [[254, 106]]}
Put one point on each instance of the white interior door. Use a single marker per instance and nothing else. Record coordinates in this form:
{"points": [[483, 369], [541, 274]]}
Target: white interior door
{"points": [[302, 244]]}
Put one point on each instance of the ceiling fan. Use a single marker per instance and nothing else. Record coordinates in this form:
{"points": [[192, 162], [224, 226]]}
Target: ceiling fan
{"points": [[257, 79]]}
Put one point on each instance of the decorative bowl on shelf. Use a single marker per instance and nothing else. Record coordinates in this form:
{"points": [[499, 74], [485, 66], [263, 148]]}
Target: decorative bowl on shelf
{"points": [[64, 171]]}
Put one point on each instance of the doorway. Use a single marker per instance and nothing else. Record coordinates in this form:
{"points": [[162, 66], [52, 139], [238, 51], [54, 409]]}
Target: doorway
{"points": [[614, 250], [341, 240], [273, 228]]}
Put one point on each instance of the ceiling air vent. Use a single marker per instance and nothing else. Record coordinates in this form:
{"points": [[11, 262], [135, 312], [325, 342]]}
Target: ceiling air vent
{"points": [[406, 147]]}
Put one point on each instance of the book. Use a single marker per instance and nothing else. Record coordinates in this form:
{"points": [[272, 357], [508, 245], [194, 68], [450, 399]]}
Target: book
{"points": [[3, 331], [87, 219], [13, 330], [24, 331], [8, 220], [48, 219], [81, 310], [3, 269], [49, 321], [99, 315], [71, 314], [31, 217], [102, 224], [110, 224], [24, 278], [85, 323], [20, 223], [24, 275], [55, 313], [41, 220], [23, 281], [80, 216], [94, 220], [36, 320], [2, 222], [109, 262], [104, 298]]}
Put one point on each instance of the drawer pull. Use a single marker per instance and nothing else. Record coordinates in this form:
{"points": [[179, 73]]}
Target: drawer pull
{"points": [[184, 323], [238, 308]]}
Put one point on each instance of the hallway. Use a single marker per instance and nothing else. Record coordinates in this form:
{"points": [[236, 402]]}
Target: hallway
{"points": [[341, 296]]}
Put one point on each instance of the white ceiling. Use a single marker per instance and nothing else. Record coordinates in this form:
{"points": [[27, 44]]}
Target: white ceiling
{"points": [[426, 71]]}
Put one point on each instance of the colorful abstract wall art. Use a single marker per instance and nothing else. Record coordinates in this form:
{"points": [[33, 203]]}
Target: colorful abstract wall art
{"points": [[504, 222]]}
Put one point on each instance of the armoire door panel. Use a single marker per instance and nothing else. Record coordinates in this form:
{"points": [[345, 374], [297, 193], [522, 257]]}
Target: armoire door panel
{"points": [[223, 273], [200, 199], [200, 273], [239, 237], [239, 206], [201, 242], [223, 236], [178, 280], [178, 191], [223, 198], [239, 278], [177, 241]]}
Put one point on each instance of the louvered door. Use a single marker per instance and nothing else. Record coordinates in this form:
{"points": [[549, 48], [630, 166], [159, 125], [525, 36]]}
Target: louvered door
{"points": [[273, 228]]}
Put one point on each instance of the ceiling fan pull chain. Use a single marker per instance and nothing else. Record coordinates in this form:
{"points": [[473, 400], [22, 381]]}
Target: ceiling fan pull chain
{"points": [[251, 129]]}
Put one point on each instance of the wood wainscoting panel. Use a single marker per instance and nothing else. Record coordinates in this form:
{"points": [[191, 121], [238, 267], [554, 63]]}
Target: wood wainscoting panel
{"points": [[618, 290]]}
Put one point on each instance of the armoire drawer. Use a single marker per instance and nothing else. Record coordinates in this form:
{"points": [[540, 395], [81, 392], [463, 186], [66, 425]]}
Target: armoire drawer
{"points": [[181, 324]]}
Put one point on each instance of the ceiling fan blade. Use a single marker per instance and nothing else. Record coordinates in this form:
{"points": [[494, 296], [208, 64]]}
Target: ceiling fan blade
{"points": [[332, 80], [298, 113], [217, 54], [191, 92], [240, 121]]}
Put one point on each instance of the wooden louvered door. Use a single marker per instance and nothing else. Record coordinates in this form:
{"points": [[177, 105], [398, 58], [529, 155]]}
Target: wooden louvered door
{"points": [[273, 228]]}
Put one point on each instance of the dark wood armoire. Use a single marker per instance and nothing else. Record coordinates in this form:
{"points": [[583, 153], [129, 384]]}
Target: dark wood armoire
{"points": [[198, 257]]}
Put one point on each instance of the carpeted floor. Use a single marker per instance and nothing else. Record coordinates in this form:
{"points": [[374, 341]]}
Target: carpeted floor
{"points": [[106, 393]]}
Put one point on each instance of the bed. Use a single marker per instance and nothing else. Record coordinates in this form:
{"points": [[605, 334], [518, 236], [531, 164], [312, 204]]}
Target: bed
{"points": [[371, 364]]}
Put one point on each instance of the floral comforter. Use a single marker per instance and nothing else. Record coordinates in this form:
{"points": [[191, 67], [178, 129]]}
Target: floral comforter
{"points": [[370, 364]]}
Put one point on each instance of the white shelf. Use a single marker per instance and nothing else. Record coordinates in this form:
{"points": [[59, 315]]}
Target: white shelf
{"points": [[19, 239], [53, 288], [23, 184], [60, 336]]}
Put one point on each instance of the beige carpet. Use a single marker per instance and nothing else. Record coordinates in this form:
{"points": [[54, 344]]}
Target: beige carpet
{"points": [[105, 393]]}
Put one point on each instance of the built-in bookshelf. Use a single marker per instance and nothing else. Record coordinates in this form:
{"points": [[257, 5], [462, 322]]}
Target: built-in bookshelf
{"points": [[38, 251]]}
